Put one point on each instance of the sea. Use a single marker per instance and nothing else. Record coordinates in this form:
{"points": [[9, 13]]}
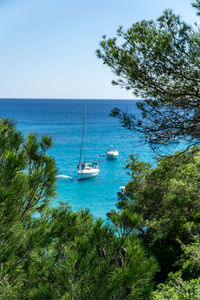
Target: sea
{"points": [[63, 121]]}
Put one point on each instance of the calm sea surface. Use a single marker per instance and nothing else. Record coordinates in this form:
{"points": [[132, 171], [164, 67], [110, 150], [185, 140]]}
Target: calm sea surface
{"points": [[63, 120]]}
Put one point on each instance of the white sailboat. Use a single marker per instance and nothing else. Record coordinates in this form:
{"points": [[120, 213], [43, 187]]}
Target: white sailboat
{"points": [[86, 170]]}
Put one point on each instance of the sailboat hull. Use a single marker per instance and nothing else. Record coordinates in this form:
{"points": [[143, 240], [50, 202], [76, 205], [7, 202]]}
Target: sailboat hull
{"points": [[88, 173]]}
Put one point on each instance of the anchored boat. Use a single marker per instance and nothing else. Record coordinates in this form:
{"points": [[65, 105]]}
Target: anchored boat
{"points": [[112, 153], [86, 170]]}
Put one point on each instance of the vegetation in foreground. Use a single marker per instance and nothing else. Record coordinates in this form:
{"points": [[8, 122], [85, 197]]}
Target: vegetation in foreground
{"points": [[55, 253], [163, 204], [149, 250]]}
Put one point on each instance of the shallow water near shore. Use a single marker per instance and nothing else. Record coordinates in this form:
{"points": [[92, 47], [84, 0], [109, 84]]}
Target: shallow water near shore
{"points": [[63, 120]]}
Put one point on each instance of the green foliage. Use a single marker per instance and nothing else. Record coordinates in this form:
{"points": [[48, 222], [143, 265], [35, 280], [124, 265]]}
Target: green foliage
{"points": [[184, 284], [177, 289], [159, 62], [27, 182], [167, 200], [190, 260], [124, 222], [196, 4], [172, 190], [56, 253]]}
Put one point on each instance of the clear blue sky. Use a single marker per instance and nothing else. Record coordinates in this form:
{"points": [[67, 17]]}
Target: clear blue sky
{"points": [[48, 46]]}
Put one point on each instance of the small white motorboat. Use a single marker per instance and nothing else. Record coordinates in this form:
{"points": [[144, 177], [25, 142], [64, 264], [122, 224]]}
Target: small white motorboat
{"points": [[112, 153], [86, 170], [122, 190]]}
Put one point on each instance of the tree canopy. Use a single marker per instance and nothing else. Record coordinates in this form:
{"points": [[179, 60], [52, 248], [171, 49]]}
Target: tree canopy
{"points": [[55, 253], [159, 62], [164, 205]]}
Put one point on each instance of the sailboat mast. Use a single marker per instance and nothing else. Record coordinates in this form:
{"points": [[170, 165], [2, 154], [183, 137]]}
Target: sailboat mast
{"points": [[82, 140], [85, 133]]}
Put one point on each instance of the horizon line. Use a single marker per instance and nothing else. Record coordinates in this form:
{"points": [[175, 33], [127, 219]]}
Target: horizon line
{"points": [[36, 98]]}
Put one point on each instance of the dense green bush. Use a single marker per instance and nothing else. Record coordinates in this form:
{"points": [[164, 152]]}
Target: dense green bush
{"points": [[163, 205], [56, 253]]}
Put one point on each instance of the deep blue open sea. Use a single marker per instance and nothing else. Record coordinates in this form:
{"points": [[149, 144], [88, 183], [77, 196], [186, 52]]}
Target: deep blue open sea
{"points": [[63, 121]]}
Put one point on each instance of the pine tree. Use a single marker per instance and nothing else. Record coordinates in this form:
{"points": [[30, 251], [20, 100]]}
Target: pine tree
{"points": [[158, 62]]}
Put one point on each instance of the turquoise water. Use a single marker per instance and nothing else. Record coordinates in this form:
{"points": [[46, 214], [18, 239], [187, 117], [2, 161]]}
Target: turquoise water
{"points": [[63, 120]]}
